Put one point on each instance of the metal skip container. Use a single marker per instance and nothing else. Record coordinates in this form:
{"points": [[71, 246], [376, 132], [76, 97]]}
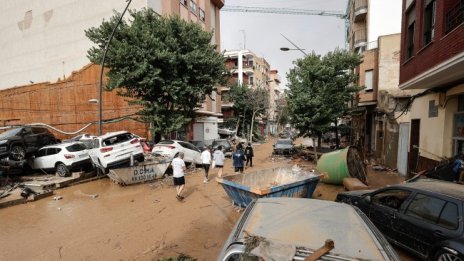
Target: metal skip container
{"points": [[337, 165], [143, 172], [276, 182]]}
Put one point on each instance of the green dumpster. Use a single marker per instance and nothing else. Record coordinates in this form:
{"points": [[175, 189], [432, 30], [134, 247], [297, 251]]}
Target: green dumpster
{"points": [[341, 164]]}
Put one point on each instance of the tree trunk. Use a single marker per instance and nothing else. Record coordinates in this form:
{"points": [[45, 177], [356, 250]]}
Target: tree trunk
{"points": [[319, 140], [251, 127], [337, 140]]}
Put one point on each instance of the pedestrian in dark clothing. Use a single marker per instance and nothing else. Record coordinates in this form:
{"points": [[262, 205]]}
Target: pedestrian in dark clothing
{"points": [[238, 158], [249, 155]]}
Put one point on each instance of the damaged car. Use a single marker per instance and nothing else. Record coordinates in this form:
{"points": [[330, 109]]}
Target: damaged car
{"points": [[283, 147], [20, 143], [297, 228], [424, 217]]}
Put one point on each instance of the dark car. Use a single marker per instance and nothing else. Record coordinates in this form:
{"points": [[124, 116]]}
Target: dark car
{"points": [[423, 217], [283, 147], [18, 143], [199, 144], [294, 228], [226, 146]]}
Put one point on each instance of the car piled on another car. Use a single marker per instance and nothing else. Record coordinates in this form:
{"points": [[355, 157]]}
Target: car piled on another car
{"points": [[20, 143], [62, 158], [171, 148], [423, 217], [227, 147], [114, 149]]}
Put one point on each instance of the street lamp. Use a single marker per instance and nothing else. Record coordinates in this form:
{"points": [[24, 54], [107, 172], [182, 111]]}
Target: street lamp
{"points": [[296, 46], [285, 49], [102, 65]]}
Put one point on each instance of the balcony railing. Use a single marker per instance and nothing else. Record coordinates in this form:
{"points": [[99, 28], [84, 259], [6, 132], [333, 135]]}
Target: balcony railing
{"points": [[360, 10], [455, 16], [360, 38]]}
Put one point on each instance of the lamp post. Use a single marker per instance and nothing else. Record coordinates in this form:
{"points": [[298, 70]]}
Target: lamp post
{"points": [[296, 46], [102, 66]]}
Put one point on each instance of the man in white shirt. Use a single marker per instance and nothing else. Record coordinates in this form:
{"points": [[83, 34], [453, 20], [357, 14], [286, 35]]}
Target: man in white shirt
{"points": [[206, 160], [218, 157], [178, 169]]}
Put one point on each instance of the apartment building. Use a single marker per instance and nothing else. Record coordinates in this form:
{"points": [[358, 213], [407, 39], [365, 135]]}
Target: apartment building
{"points": [[46, 77], [275, 94], [250, 70], [432, 62]]}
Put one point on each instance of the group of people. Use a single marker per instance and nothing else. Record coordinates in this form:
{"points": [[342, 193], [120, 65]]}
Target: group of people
{"points": [[217, 159]]}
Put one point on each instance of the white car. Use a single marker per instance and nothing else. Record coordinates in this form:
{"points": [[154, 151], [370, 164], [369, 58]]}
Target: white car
{"points": [[115, 148], [62, 158], [170, 148]]}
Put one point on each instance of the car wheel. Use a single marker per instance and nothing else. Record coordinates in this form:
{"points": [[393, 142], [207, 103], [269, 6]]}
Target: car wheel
{"points": [[444, 255], [18, 153], [61, 170]]}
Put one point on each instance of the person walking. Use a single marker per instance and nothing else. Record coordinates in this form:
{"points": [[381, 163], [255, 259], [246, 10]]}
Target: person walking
{"points": [[238, 159], [218, 157], [249, 155], [178, 169], [206, 160]]}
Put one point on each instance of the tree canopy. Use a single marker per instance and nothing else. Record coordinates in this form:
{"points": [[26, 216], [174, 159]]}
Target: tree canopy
{"points": [[320, 88], [165, 64]]}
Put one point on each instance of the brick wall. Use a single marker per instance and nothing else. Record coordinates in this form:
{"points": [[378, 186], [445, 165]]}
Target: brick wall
{"points": [[443, 46], [370, 62], [65, 105]]}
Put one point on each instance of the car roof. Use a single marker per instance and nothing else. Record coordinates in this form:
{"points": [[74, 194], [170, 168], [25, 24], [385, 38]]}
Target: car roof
{"points": [[62, 145], [446, 188], [111, 134], [309, 223]]}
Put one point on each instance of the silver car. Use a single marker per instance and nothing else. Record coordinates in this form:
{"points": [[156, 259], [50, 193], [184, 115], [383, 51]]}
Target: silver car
{"points": [[294, 228]]}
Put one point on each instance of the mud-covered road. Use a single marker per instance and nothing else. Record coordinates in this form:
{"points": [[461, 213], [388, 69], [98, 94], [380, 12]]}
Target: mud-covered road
{"points": [[138, 222]]}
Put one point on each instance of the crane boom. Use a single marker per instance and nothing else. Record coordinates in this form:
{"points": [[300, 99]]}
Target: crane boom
{"points": [[251, 9]]}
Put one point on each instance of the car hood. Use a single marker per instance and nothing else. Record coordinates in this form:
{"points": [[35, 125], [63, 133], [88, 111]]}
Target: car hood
{"points": [[283, 146]]}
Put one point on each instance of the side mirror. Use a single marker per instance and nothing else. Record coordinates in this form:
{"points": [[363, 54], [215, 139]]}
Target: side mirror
{"points": [[367, 198]]}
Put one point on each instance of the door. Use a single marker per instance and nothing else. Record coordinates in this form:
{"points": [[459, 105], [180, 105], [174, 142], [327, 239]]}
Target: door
{"points": [[428, 220], [413, 158], [403, 145], [384, 210], [198, 131]]}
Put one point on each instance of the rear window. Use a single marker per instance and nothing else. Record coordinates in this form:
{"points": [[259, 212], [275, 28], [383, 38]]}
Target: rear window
{"points": [[117, 139], [36, 130], [449, 216], [76, 147]]}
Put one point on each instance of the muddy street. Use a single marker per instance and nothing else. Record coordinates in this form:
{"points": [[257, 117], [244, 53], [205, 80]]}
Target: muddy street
{"points": [[101, 220]]}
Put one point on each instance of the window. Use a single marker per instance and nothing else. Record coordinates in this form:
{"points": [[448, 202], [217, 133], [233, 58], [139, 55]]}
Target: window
{"points": [[429, 21], [369, 80], [250, 80], [41, 153], [391, 198], [202, 15], [117, 139], [193, 7], [183, 2], [76, 147], [426, 208], [411, 20], [53, 151], [449, 216]]}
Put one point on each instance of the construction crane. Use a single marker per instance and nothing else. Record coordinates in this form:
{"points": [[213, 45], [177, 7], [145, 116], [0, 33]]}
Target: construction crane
{"points": [[292, 11], [288, 11]]}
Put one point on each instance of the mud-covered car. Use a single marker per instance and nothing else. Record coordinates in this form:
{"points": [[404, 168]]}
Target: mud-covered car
{"points": [[423, 217], [283, 147], [294, 228], [19, 143], [227, 147]]}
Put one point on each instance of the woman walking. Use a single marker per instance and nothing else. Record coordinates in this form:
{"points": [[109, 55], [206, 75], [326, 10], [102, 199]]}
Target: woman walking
{"points": [[218, 157]]}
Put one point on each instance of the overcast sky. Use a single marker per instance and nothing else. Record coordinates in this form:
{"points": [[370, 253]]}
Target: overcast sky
{"points": [[320, 34]]}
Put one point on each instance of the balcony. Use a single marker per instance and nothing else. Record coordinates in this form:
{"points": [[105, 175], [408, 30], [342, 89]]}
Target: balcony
{"points": [[360, 38], [360, 10]]}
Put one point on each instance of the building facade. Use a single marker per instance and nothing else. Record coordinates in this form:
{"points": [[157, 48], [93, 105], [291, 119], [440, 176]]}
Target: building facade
{"points": [[46, 45], [432, 62]]}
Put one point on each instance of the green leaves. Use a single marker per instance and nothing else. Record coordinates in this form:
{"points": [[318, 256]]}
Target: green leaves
{"points": [[165, 62], [320, 89]]}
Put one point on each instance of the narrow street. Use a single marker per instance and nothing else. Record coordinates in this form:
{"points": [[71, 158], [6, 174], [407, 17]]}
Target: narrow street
{"points": [[139, 222]]}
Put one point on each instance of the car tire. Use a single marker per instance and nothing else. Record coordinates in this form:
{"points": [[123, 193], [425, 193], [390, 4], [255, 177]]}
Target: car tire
{"points": [[443, 255], [61, 170], [18, 153]]}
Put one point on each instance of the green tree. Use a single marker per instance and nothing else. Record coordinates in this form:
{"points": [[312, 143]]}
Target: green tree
{"points": [[320, 88], [165, 64], [250, 103]]}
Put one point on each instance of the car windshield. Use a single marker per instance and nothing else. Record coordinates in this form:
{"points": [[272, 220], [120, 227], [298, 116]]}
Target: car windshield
{"points": [[165, 142], [10, 133], [76, 147], [220, 142], [284, 142]]}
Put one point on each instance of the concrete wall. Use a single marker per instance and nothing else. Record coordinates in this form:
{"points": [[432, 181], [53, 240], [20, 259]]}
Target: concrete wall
{"points": [[46, 39], [389, 62]]}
